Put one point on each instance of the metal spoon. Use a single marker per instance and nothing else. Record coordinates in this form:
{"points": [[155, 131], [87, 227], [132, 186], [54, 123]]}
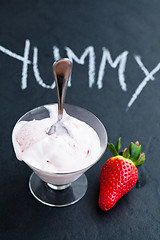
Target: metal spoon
{"points": [[62, 71]]}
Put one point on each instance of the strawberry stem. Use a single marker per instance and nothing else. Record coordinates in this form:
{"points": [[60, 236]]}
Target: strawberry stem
{"points": [[112, 149], [133, 152], [118, 144]]}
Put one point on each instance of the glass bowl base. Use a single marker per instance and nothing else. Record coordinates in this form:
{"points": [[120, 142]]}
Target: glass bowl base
{"points": [[58, 197]]}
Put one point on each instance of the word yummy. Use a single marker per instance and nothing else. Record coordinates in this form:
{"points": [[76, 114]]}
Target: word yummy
{"points": [[119, 63]]}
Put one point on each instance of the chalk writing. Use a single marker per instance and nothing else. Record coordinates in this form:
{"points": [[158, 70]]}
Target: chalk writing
{"points": [[36, 72], [24, 59], [91, 69], [119, 62], [149, 76]]}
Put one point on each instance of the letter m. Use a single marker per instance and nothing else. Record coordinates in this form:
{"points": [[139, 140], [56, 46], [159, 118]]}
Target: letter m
{"points": [[121, 60], [91, 68]]}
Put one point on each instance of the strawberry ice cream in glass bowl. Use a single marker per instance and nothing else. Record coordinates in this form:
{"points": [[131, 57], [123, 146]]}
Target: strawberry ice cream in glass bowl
{"points": [[59, 161], [59, 144]]}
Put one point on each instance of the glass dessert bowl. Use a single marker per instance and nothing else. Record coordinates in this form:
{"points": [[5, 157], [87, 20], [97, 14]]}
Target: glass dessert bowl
{"points": [[61, 189]]}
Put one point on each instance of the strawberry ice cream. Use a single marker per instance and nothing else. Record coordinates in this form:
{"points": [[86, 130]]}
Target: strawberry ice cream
{"points": [[73, 150]]}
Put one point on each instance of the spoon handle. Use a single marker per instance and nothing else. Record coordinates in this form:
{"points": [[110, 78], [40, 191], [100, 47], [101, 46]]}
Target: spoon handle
{"points": [[62, 71]]}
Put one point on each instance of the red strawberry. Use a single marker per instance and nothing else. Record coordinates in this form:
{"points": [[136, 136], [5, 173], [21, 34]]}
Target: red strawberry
{"points": [[119, 173]]}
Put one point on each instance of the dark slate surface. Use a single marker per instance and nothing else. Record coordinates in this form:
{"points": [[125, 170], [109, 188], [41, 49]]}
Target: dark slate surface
{"points": [[130, 26]]}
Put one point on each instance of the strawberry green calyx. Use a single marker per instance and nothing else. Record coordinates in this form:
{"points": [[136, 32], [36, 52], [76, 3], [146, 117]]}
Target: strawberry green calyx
{"points": [[133, 152]]}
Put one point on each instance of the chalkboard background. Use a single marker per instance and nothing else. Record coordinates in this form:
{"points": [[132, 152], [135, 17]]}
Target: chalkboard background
{"points": [[116, 27]]}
